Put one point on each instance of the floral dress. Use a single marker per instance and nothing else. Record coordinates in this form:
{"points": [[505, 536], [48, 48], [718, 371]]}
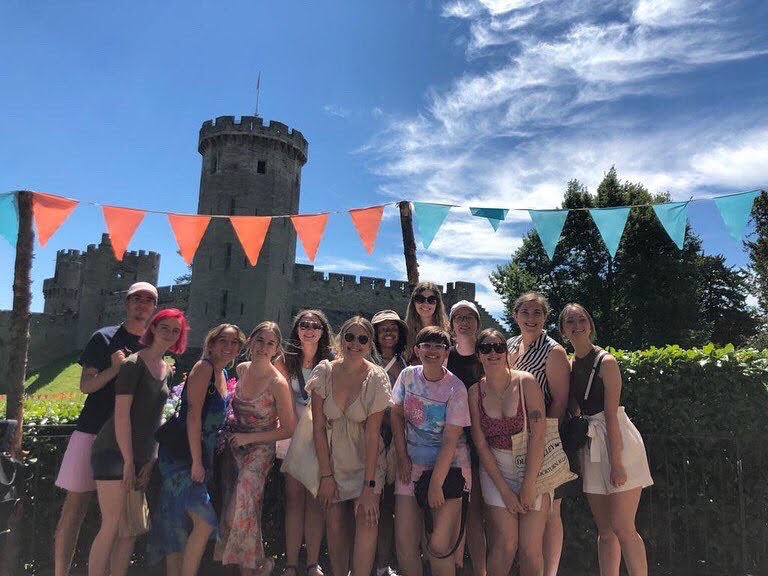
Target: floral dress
{"points": [[179, 495], [240, 539]]}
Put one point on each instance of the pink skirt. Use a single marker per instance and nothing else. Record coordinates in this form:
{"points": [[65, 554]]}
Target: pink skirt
{"points": [[75, 473]]}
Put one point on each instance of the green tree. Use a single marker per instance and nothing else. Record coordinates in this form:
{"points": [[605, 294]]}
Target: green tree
{"points": [[757, 249], [650, 294]]}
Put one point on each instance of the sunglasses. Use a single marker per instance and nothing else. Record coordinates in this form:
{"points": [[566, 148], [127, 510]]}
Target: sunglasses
{"points": [[307, 325], [362, 338], [427, 346], [487, 347], [428, 299]]}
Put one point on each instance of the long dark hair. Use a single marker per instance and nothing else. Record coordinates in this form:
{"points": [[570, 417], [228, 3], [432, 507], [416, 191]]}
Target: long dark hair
{"points": [[294, 355]]}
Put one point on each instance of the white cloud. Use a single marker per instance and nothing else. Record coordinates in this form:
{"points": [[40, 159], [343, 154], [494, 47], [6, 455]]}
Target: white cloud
{"points": [[345, 265], [336, 111]]}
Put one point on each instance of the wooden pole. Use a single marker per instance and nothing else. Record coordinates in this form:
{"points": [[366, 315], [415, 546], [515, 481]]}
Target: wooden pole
{"points": [[409, 243], [18, 334]]}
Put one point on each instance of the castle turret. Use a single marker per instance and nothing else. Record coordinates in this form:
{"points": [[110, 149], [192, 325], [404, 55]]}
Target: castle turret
{"points": [[248, 169]]}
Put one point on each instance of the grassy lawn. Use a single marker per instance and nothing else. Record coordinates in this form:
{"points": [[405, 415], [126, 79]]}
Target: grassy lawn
{"points": [[61, 377]]}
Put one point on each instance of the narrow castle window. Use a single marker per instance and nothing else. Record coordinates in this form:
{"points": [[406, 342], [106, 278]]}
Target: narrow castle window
{"points": [[232, 206], [206, 309], [214, 163], [245, 261], [228, 255], [242, 307], [261, 167], [210, 262], [224, 298]]}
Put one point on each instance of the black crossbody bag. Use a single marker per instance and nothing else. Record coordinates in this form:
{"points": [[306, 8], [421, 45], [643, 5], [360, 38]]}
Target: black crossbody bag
{"points": [[453, 487], [573, 432]]}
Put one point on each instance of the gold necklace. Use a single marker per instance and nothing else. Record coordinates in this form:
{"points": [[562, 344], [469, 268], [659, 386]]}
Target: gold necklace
{"points": [[504, 391]]}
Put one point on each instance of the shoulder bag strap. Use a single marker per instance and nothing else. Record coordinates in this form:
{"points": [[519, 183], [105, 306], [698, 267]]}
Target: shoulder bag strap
{"points": [[595, 367], [302, 384]]}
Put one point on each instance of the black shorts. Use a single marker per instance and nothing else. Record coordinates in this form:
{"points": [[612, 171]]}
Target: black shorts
{"points": [[108, 465]]}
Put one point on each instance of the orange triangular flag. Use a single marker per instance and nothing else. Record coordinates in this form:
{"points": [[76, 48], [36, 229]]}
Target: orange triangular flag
{"points": [[310, 229], [50, 212], [121, 224], [189, 231], [251, 231], [367, 221]]}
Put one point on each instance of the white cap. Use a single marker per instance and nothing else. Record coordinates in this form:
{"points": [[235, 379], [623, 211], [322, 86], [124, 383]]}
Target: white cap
{"points": [[142, 287], [464, 304]]}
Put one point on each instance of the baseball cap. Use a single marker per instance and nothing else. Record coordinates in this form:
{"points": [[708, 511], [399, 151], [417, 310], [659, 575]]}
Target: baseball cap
{"points": [[464, 304], [142, 287]]}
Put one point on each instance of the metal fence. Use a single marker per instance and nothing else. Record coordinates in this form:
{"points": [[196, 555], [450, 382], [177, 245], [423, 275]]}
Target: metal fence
{"points": [[699, 518]]}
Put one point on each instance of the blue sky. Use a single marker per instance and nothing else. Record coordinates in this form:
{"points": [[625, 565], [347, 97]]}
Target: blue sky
{"points": [[482, 102]]}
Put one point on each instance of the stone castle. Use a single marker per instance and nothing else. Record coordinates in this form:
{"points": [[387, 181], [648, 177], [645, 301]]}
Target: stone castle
{"points": [[248, 168]]}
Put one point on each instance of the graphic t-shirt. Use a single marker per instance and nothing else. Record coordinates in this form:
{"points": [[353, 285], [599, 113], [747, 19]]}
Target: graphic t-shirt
{"points": [[100, 405], [428, 407]]}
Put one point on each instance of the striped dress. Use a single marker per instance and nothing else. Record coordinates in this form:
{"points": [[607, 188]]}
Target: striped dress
{"points": [[534, 360]]}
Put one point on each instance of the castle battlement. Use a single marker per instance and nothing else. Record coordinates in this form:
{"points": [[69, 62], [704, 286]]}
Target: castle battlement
{"points": [[225, 126], [71, 255]]}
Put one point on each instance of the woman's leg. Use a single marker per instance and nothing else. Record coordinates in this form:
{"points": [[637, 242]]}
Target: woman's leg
{"points": [[364, 550], [447, 524], [294, 519], [553, 539], [314, 524], [502, 540], [623, 511], [73, 513], [195, 546], [608, 549], [475, 530], [408, 531], [531, 537], [111, 495], [173, 564], [337, 526], [120, 559], [386, 530]]}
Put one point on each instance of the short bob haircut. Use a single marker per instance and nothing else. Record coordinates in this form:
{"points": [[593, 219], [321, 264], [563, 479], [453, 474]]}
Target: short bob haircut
{"points": [[433, 334], [573, 306], [167, 314]]}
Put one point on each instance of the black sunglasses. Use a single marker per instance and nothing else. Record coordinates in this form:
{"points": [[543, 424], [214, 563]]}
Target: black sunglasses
{"points": [[362, 338], [486, 347], [307, 325], [428, 299]]}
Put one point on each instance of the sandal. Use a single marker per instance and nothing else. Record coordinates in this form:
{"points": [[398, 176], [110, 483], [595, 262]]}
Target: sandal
{"points": [[290, 570], [315, 570], [266, 567]]}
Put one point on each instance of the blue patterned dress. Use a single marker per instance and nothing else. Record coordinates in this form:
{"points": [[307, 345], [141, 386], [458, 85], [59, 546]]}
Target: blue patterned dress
{"points": [[171, 524]]}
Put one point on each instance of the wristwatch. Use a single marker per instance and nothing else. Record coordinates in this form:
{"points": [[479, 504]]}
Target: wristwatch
{"points": [[371, 483]]}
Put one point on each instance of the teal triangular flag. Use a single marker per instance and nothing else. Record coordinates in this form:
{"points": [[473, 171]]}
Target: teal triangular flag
{"points": [[610, 223], [494, 215], [429, 217], [549, 225], [673, 217], [9, 218], [735, 210]]}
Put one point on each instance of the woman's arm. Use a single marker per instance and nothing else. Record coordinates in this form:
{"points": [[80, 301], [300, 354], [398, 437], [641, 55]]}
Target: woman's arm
{"points": [[123, 435], [197, 387], [611, 376], [537, 425], [328, 489], [397, 421], [559, 379]]}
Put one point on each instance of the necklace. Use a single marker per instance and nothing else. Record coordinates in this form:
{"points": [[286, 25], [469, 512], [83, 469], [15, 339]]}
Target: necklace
{"points": [[503, 393]]}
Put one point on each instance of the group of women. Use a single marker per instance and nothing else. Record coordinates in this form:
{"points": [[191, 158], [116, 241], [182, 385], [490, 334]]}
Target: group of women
{"points": [[394, 434]]}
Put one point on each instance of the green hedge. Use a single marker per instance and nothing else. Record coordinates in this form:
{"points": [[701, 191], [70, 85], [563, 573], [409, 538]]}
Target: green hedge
{"points": [[704, 416]]}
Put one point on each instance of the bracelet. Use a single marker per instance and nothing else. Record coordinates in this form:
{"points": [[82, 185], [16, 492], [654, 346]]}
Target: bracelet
{"points": [[323, 476]]}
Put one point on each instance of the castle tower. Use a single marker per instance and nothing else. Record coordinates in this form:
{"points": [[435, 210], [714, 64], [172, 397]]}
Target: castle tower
{"points": [[248, 169]]}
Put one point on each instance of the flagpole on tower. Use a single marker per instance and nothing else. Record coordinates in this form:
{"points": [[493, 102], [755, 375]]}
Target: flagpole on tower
{"points": [[258, 89]]}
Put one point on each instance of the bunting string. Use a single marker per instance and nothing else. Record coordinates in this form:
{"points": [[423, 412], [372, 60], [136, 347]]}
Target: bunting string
{"points": [[50, 211]]}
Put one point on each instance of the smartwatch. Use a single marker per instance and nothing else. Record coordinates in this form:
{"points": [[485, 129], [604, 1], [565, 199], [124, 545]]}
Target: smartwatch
{"points": [[371, 483]]}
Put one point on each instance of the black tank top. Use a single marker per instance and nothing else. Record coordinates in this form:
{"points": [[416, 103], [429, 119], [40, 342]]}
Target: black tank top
{"points": [[582, 368]]}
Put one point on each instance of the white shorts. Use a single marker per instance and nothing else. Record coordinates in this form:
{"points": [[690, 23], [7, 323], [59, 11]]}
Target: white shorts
{"points": [[506, 464], [595, 464]]}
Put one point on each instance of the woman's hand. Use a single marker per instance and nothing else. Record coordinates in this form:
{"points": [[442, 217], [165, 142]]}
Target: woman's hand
{"points": [[404, 469], [144, 473], [368, 505], [435, 495], [197, 473], [129, 475], [618, 475], [327, 492], [238, 439], [528, 496], [511, 501]]}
